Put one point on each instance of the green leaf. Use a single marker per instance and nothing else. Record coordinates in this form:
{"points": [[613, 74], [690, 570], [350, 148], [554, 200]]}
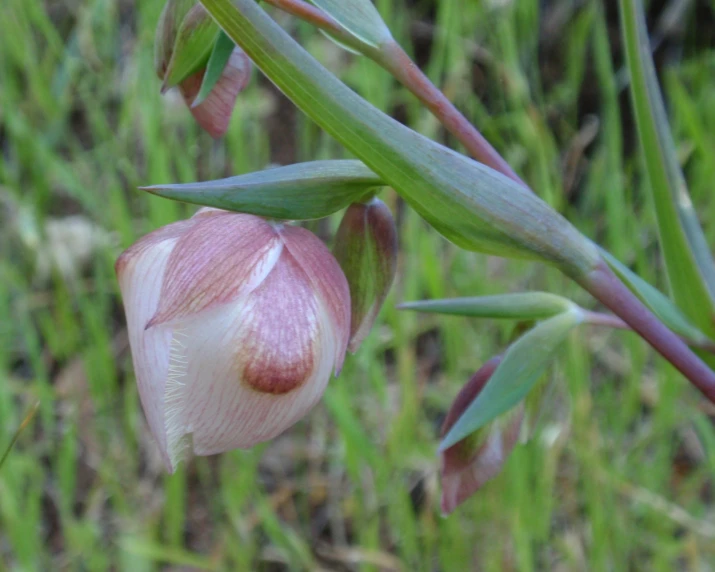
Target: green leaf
{"points": [[521, 306], [172, 15], [194, 42], [689, 263], [360, 18], [522, 366], [469, 203], [664, 308], [295, 192], [222, 50]]}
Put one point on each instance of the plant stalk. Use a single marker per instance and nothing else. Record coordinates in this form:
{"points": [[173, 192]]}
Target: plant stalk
{"points": [[605, 286], [395, 60]]}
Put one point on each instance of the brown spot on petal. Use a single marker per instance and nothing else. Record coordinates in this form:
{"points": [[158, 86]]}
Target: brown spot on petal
{"points": [[278, 347]]}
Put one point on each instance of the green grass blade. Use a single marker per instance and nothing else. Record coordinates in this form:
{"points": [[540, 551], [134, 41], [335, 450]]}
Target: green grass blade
{"points": [[25, 422], [690, 267], [303, 191]]}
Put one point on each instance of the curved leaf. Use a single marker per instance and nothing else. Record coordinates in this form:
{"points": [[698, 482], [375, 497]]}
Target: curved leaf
{"points": [[359, 17], [302, 191], [520, 369]]}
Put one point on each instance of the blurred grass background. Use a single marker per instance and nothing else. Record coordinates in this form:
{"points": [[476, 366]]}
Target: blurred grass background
{"points": [[620, 473]]}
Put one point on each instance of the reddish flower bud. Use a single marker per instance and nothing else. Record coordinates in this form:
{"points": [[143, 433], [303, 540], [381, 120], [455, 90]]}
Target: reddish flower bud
{"points": [[470, 463], [235, 325], [180, 21], [366, 248], [214, 113]]}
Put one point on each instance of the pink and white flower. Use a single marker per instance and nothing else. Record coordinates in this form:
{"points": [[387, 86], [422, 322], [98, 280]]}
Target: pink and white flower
{"points": [[235, 325]]}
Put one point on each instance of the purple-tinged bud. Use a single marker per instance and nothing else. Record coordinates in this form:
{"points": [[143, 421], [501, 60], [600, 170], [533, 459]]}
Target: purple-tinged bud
{"points": [[214, 113], [471, 462], [235, 325], [183, 36], [366, 248]]}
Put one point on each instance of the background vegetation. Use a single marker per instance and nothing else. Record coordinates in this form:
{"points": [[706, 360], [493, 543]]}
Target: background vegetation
{"points": [[620, 473]]}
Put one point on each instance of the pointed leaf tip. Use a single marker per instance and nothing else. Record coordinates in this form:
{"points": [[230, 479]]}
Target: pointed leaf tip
{"points": [[523, 364], [519, 306], [360, 18], [302, 191]]}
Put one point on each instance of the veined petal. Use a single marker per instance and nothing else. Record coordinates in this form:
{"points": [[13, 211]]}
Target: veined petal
{"points": [[140, 271], [253, 367], [214, 113], [223, 256], [326, 278]]}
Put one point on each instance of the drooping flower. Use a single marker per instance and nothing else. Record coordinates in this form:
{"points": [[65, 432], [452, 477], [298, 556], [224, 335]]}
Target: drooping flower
{"points": [[366, 248], [179, 21], [235, 325], [470, 463]]}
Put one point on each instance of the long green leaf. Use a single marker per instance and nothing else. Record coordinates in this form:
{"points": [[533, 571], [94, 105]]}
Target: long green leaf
{"points": [[471, 204], [523, 364], [520, 306], [689, 263], [295, 192]]}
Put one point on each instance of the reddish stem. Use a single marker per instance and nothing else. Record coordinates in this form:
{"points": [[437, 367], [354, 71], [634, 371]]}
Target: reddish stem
{"points": [[399, 64], [603, 284]]}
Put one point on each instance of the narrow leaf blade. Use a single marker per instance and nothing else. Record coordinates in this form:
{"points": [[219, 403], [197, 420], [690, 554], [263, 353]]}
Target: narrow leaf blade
{"points": [[520, 306], [221, 53], [302, 191], [523, 364], [689, 263]]}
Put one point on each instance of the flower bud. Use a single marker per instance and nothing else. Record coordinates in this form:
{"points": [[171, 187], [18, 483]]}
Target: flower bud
{"points": [[366, 248], [213, 114], [235, 325], [471, 462], [184, 38]]}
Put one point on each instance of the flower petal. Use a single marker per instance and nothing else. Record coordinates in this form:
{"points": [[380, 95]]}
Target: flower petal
{"points": [[253, 367], [214, 113], [140, 271], [326, 278], [222, 256]]}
